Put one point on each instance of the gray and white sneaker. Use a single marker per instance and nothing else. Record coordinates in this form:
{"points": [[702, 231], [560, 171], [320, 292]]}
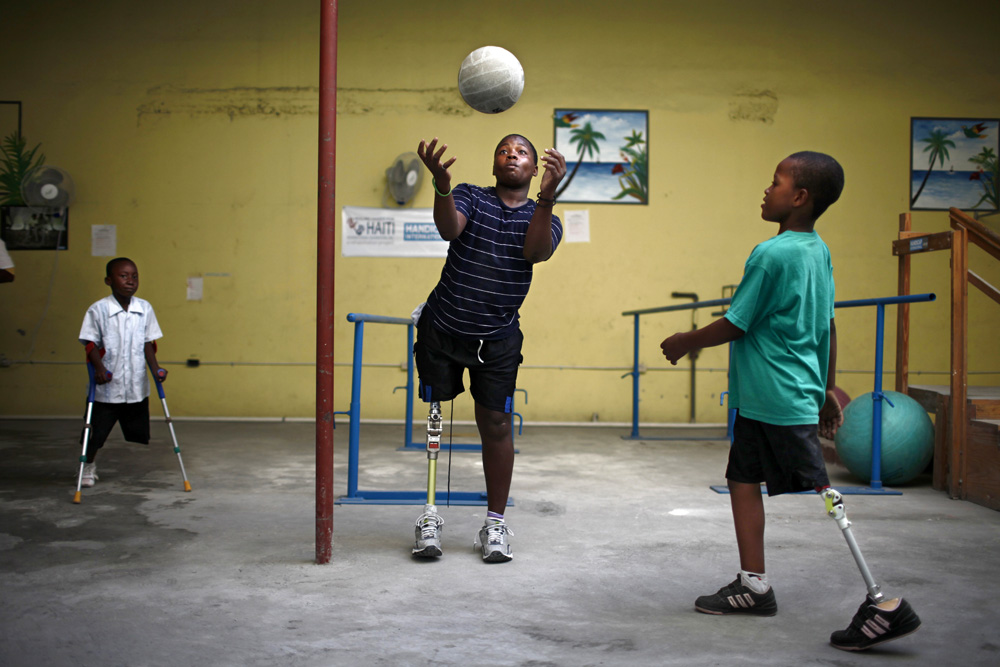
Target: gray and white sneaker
{"points": [[493, 538], [89, 474], [428, 533]]}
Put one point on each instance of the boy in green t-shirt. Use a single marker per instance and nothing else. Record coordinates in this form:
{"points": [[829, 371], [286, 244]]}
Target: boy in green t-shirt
{"points": [[781, 383]]}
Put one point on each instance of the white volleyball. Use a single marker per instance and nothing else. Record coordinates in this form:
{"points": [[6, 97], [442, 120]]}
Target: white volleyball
{"points": [[490, 79]]}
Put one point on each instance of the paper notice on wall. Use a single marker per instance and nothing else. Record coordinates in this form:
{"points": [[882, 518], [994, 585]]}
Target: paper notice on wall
{"points": [[382, 232], [576, 226], [195, 288], [103, 240]]}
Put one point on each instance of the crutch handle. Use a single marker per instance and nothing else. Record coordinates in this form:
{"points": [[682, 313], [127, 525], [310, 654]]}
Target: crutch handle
{"points": [[159, 385]]}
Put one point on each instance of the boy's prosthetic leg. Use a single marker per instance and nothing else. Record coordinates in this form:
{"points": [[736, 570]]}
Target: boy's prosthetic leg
{"points": [[428, 530], [877, 620], [835, 509]]}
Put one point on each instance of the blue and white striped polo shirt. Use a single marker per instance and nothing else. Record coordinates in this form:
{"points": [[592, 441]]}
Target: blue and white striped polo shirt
{"points": [[485, 277]]}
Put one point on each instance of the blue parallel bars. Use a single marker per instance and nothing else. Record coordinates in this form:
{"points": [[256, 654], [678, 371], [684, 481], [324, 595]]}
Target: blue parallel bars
{"points": [[635, 350], [877, 395], [354, 428], [354, 496]]}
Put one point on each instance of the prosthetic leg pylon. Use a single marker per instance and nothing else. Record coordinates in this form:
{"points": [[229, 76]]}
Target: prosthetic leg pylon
{"points": [[428, 529], [835, 510]]}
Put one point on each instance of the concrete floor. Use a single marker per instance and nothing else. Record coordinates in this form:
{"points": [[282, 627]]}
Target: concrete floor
{"points": [[613, 541]]}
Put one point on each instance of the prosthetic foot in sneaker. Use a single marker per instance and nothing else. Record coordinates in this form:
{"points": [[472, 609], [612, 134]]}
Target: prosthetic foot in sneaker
{"points": [[738, 599], [493, 539], [428, 534], [876, 624]]}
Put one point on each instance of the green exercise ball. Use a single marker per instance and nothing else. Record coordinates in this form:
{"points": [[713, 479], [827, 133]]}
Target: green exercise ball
{"points": [[907, 438]]}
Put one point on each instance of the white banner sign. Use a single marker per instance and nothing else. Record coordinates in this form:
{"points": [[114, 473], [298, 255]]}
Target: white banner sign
{"points": [[387, 232]]}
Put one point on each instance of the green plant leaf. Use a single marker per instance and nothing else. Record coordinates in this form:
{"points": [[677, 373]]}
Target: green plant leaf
{"points": [[15, 164]]}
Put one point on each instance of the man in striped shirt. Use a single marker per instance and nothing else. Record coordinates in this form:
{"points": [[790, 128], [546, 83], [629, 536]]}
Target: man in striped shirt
{"points": [[496, 235]]}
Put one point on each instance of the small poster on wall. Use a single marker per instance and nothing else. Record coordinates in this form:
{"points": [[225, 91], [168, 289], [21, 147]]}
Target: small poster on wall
{"points": [[953, 163], [103, 240], [607, 155]]}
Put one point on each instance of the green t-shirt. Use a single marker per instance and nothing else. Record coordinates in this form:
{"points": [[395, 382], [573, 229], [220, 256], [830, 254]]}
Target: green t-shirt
{"points": [[784, 304]]}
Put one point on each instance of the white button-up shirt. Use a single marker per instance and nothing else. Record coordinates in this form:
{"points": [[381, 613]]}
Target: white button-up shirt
{"points": [[5, 261], [123, 335]]}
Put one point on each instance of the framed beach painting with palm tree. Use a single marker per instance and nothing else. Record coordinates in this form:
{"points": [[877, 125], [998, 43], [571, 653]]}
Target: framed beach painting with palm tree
{"points": [[953, 163], [607, 155]]}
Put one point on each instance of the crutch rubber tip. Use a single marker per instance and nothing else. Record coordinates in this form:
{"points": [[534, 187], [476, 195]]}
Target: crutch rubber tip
{"points": [[76, 497], [187, 485]]}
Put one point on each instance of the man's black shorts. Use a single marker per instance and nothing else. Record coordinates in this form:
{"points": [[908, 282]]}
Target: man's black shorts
{"points": [[787, 458], [442, 358], [133, 418]]}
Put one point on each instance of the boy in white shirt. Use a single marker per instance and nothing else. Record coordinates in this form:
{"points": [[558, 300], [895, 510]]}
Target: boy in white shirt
{"points": [[118, 332]]}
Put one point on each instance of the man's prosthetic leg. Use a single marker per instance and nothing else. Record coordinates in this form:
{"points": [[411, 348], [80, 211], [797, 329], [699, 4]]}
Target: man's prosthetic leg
{"points": [[428, 529], [877, 620]]}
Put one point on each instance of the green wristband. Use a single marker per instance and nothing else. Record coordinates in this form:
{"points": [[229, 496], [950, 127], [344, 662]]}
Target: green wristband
{"points": [[439, 193]]}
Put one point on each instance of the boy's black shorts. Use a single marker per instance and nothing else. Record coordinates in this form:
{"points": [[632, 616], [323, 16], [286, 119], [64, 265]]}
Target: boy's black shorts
{"points": [[442, 358], [787, 458], [133, 417]]}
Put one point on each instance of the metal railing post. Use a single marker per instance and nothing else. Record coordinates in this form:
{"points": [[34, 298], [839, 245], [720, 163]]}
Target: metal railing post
{"points": [[355, 422]]}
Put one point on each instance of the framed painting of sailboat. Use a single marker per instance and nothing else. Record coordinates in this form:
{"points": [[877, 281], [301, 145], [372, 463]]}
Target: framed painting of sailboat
{"points": [[607, 155], [953, 163]]}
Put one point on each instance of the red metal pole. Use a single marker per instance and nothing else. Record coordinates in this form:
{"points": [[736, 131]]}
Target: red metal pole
{"points": [[325, 279]]}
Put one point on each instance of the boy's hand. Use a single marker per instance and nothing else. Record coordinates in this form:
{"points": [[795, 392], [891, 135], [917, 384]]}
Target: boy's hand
{"points": [[161, 374], [430, 154], [675, 347], [831, 416], [101, 374], [555, 170]]}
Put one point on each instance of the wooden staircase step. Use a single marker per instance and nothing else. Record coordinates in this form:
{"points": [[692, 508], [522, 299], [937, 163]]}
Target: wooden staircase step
{"points": [[983, 456], [983, 402], [983, 407], [974, 393], [987, 427], [988, 410]]}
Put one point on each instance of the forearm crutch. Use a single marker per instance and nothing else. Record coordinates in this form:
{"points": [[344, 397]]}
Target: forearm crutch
{"points": [[170, 423], [835, 509], [78, 496]]}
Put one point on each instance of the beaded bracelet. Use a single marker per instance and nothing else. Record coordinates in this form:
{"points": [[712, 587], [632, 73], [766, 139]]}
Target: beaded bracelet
{"points": [[439, 193]]}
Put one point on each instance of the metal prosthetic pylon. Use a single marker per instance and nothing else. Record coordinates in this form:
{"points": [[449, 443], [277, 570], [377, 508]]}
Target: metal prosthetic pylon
{"points": [[835, 510], [433, 448]]}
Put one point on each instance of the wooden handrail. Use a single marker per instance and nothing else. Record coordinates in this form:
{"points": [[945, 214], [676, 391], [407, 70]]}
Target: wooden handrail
{"points": [[985, 287], [965, 229], [980, 234]]}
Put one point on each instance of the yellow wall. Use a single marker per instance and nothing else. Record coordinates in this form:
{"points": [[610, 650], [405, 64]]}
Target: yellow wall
{"points": [[192, 126]]}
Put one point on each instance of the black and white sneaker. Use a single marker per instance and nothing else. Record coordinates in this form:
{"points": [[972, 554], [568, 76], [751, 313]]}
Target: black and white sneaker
{"points": [[738, 599], [874, 624]]}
